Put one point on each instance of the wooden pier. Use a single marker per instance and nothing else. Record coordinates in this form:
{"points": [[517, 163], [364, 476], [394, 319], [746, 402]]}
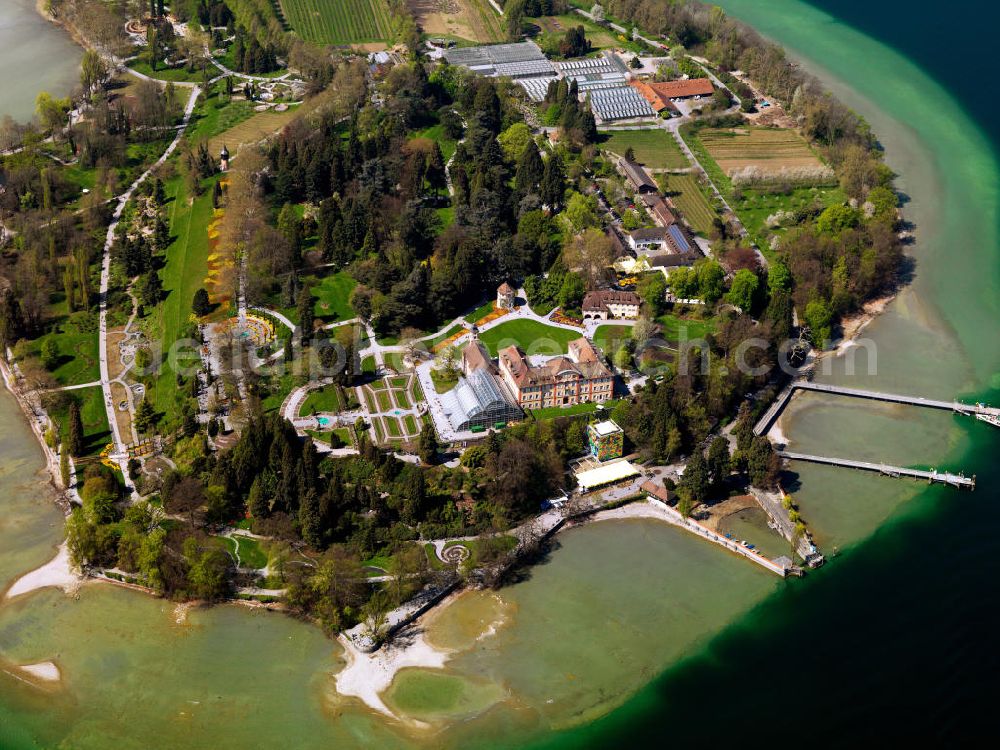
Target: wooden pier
{"points": [[764, 423], [933, 476]]}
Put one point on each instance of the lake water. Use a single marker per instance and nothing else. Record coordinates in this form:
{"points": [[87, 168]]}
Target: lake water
{"points": [[35, 55], [631, 632]]}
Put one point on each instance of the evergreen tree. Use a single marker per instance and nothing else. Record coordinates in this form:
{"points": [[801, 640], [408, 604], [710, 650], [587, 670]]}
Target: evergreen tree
{"points": [[428, 445], [530, 169], [694, 485], [310, 520], [719, 464], [145, 417], [201, 305], [76, 437], [306, 315], [553, 183]]}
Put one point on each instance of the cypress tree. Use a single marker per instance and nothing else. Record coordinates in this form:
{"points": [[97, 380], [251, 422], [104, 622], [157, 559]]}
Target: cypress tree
{"points": [[75, 429]]}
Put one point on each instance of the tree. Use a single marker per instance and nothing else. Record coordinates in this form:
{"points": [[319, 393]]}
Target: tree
{"points": [[290, 226], [76, 435], [743, 289], [51, 112], [513, 12], [581, 210], [719, 463], [200, 305], [64, 472], [763, 464], [514, 140], [145, 417], [711, 280], [652, 288], [571, 292], [819, 316], [50, 353], [591, 253], [306, 314], [694, 484], [836, 218], [530, 169], [428, 445], [93, 71]]}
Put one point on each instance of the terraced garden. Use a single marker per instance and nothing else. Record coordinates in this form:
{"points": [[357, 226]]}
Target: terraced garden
{"points": [[339, 21]]}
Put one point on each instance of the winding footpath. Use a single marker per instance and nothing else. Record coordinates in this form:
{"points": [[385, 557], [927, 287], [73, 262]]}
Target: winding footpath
{"points": [[119, 453]]}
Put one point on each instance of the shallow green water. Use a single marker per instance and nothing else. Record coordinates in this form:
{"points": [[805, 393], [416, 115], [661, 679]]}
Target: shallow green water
{"points": [[619, 602], [35, 56]]}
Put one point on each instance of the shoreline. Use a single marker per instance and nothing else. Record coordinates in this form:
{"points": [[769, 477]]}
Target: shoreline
{"points": [[70, 29]]}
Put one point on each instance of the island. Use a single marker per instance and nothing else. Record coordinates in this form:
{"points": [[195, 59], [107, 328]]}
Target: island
{"points": [[337, 317]]}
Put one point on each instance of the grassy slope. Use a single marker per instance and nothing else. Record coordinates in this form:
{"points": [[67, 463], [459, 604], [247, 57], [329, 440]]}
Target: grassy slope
{"points": [[183, 274]]}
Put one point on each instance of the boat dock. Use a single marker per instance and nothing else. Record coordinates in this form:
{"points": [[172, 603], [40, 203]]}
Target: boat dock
{"points": [[932, 476], [987, 414], [980, 411]]}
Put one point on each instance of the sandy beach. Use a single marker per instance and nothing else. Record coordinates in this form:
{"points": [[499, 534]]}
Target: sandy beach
{"points": [[366, 676], [57, 572]]}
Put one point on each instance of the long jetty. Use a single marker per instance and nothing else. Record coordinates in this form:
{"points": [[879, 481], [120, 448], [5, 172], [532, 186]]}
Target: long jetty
{"points": [[933, 476], [765, 422]]}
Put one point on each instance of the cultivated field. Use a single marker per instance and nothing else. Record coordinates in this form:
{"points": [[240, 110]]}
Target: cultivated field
{"points": [[690, 202], [339, 21], [655, 149], [771, 151], [474, 20]]}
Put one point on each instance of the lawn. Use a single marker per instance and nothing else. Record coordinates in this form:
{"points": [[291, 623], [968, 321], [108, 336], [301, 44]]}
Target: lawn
{"points": [[687, 197], [252, 555], [218, 116], [442, 381], [436, 133], [341, 22], [554, 30], [533, 337], [608, 338], [252, 130], [184, 273], [480, 312], [675, 328], [552, 412], [655, 149], [78, 348], [141, 65], [322, 400], [95, 419], [754, 206], [443, 336], [333, 294]]}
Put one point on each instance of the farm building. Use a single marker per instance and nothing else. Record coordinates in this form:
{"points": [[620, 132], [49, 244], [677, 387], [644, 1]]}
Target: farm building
{"points": [[636, 175], [658, 209], [653, 239], [606, 440], [685, 89]]}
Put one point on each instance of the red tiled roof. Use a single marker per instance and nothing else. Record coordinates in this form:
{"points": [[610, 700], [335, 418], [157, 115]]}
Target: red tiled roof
{"points": [[681, 89]]}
